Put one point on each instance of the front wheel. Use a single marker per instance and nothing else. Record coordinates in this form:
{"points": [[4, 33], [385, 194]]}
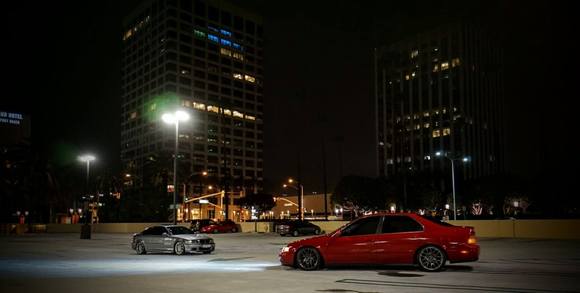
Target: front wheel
{"points": [[295, 233], [140, 248], [308, 259], [316, 232], [179, 248], [234, 230], [431, 258]]}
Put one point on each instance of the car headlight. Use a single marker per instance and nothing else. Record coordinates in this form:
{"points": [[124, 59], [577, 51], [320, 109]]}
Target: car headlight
{"points": [[286, 249], [189, 241]]}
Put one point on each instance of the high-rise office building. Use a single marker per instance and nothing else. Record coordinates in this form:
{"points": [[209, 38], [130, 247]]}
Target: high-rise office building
{"points": [[440, 91], [206, 57]]}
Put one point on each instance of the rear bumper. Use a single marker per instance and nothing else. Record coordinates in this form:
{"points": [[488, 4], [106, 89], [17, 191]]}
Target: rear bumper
{"points": [[464, 253]]}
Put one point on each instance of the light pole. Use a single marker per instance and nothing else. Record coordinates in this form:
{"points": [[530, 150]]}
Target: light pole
{"points": [[300, 189], [87, 158], [175, 118], [453, 159]]}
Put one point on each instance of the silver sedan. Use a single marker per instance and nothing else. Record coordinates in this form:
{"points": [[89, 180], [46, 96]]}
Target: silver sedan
{"points": [[171, 238]]}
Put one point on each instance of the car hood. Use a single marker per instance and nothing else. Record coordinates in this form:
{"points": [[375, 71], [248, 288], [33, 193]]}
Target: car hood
{"points": [[312, 241], [192, 236]]}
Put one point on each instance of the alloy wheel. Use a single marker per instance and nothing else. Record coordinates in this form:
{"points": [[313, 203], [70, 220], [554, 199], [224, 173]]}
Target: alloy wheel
{"points": [[431, 258], [308, 259], [179, 248], [141, 248]]}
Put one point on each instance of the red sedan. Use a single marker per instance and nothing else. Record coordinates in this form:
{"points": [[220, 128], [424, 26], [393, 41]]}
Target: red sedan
{"points": [[220, 227], [386, 239]]}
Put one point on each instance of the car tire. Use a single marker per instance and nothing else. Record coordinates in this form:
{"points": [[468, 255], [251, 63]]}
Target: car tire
{"points": [[179, 248], [295, 233], [431, 258], [308, 259], [215, 231], [140, 248], [316, 232], [234, 230]]}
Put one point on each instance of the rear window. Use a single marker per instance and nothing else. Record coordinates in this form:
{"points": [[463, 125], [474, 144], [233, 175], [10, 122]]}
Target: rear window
{"points": [[436, 221]]}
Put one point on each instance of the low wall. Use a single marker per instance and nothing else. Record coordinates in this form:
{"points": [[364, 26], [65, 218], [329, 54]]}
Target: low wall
{"points": [[543, 229]]}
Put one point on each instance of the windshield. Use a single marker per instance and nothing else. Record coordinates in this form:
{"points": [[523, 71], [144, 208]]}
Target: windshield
{"points": [[176, 230]]}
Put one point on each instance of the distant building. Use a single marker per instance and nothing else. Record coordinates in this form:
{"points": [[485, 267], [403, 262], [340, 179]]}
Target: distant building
{"points": [[204, 56], [14, 129], [440, 91]]}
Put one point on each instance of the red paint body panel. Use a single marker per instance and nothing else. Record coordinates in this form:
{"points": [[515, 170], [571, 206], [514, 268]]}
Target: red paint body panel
{"points": [[388, 248], [223, 227]]}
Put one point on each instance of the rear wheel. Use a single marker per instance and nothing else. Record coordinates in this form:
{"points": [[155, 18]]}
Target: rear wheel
{"points": [[316, 232], [308, 259], [431, 258], [295, 233], [179, 248], [234, 230], [140, 248]]}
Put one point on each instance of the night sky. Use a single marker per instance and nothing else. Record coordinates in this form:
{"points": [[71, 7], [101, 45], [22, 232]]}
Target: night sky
{"points": [[61, 63]]}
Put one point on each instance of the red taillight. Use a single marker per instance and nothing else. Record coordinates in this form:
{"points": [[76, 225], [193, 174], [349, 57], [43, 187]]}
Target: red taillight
{"points": [[472, 240]]}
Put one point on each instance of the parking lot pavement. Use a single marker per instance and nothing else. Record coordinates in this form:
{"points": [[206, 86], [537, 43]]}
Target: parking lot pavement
{"points": [[247, 262]]}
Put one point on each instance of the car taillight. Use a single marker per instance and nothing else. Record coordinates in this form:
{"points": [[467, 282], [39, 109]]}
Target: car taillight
{"points": [[472, 240]]}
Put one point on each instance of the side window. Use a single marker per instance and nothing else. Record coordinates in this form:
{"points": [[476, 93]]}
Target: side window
{"points": [[157, 231], [364, 226], [148, 231], [395, 224]]}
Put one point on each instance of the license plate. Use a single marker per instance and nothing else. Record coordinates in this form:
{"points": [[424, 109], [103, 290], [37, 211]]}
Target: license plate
{"points": [[206, 246]]}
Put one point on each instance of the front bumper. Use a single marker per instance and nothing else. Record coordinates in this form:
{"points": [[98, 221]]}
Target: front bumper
{"points": [[286, 257], [199, 247]]}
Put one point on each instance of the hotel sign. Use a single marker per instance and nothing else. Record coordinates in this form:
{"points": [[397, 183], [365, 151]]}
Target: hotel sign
{"points": [[10, 118]]}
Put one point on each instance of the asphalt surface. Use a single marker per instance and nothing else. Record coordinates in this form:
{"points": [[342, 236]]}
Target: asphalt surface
{"points": [[248, 262]]}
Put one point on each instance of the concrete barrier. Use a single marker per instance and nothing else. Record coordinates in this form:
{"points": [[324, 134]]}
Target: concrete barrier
{"points": [[543, 229]]}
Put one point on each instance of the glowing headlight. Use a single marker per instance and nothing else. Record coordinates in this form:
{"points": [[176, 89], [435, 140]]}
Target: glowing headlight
{"points": [[286, 249], [189, 241]]}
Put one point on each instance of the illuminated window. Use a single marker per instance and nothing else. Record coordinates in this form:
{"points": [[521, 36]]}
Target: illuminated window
{"points": [[444, 65], [250, 117], [198, 106], [413, 74], [407, 77], [225, 33], [436, 68], [228, 112], [133, 115], [417, 126], [213, 29], [426, 125], [408, 117], [226, 42], [225, 52], [213, 38], [199, 34], [414, 53], [153, 107], [238, 114], [238, 56], [427, 158], [446, 131], [213, 109], [415, 116], [444, 110], [186, 103], [455, 62], [238, 46], [238, 76], [249, 78], [436, 133], [426, 114]]}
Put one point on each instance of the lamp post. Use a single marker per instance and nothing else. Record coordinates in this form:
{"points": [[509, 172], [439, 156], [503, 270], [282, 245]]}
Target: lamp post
{"points": [[453, 159], [175, 118], [300, 189], [87, 158]]}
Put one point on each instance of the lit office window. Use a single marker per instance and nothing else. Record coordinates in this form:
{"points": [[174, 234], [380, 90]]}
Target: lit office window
{"points": [[436, 133], [213, 38], [199, 34], [455, 62], [426, 125], [198, 106], [225, 33], [414, 53], [226, 52], [444, 65], [238, 56], [228, 112], [249, 78], [446, 131], [436, 68], [133, 115], [250, 117], [213, 29], [238, 114], [238, 76], [238, 46], [226, 42], [407, 77]]}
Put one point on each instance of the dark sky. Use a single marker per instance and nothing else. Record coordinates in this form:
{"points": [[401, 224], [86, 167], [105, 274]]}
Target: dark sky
{"points": [[62, 64]]}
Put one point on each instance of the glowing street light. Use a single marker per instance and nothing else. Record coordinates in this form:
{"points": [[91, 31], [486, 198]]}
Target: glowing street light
{"points": [[175, 118], [298, 186], [452, 159]]}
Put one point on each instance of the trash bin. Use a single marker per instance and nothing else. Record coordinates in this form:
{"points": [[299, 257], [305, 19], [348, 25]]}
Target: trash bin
{"points": [[86, 231]]}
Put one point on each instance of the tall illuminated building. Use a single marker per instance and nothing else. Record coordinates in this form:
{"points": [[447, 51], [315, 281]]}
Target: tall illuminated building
{"points": [[205, 56], [440, 91]]}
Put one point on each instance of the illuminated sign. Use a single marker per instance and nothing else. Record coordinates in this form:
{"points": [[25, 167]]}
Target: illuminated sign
{"points": [[10, 118]]}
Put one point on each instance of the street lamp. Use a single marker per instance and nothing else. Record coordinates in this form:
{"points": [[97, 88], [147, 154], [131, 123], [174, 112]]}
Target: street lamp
{"points": [[300, 189], [87, 158], [175, 118], [452, 159]]}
